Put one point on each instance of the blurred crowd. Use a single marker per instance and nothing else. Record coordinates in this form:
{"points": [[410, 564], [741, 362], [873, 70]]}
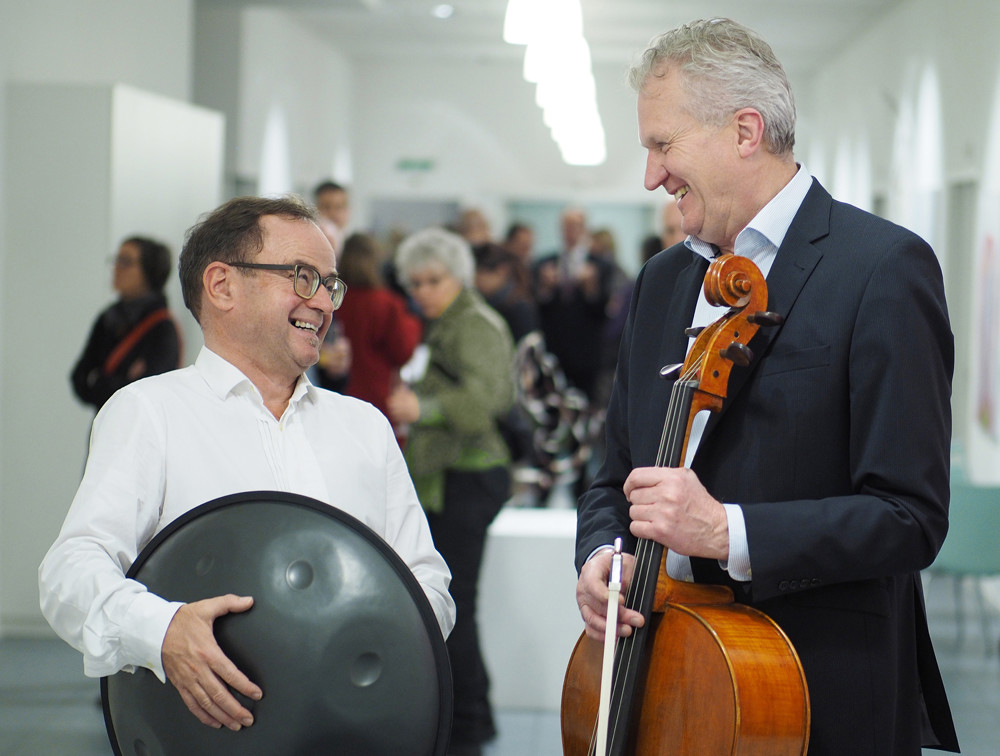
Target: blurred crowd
{"points": [[564, 308]]}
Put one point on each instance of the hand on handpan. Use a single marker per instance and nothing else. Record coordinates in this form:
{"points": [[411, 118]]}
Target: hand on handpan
{"points": [[201, 672]]}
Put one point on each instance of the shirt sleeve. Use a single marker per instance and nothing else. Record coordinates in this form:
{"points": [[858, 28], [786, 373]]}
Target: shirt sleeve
{"points": [[409, 535], [84, 594]]}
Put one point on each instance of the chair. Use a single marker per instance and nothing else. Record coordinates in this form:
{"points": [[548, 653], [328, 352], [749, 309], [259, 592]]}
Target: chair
{"points": [[971, 549]]}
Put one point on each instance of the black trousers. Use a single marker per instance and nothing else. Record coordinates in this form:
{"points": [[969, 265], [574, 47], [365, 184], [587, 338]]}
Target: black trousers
{"points": [[471, 502]]}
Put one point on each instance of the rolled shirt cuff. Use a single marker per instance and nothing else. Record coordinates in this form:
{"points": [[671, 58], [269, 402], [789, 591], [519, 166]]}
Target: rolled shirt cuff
{"points": [[142, 639]]}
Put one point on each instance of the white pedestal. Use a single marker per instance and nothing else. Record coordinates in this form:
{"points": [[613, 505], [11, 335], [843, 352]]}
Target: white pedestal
{"points": [[528, 618]]}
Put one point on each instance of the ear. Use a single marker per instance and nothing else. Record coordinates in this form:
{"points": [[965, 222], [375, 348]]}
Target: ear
{"points": [[219, 287], [749, 131]]}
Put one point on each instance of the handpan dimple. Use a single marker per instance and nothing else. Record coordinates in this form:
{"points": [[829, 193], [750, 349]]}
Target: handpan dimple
{"points": [[299, 574], [366, 669]]}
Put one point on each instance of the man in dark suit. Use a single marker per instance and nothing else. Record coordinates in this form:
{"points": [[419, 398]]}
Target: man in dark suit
{"points": [[821, 488], [572, 288]]}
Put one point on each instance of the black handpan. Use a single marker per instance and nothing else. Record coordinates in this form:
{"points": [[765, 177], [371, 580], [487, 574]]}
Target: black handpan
{"points": [[341, 637]]}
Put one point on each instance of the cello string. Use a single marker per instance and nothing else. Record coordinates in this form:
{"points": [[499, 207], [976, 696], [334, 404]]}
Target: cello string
{"points": [[645, 548]]}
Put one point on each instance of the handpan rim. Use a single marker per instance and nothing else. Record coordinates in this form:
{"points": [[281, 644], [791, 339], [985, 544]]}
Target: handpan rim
{"points": [[393, 560]]}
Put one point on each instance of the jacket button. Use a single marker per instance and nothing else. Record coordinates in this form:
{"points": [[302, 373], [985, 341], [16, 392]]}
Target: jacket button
{"points": [[783, 585]]}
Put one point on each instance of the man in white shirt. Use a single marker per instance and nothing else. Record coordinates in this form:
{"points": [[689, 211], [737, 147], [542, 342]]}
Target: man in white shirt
{"points": [[260, 277]]}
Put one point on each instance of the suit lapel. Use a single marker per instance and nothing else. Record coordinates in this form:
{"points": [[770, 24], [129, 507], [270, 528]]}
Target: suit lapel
{"points": [[687, 289], [665, 313], [795, 261]]}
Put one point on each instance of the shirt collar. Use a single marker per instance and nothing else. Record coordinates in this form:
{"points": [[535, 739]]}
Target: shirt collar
{"points": [[224, 378], [769, 226]]}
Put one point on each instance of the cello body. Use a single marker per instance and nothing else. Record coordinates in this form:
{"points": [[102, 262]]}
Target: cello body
{"points": [[728, 681]]}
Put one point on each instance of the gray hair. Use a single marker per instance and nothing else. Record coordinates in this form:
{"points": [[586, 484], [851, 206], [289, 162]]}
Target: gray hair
{"points": [[435, 246], [725, 67]]}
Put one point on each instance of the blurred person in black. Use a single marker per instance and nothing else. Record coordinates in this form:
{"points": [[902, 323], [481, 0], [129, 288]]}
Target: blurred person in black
{"points": [[520, 241], [136, 336], [506, 288], [572, 288]]}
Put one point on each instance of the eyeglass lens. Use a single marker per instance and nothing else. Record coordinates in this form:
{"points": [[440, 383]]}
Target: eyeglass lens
{"points": [[307, 281]]}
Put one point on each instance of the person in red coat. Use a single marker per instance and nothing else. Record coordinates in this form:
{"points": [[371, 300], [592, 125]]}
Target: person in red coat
{"points": [[377, 322]]}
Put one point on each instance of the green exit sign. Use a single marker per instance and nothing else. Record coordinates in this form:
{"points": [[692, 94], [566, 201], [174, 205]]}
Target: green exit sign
{"points": [[415, 165]]}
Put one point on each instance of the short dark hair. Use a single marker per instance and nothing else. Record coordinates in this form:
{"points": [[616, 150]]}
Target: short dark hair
{"points": [[154, 259], [327, 186], [491, 256], [515, 228], [231, 233]]}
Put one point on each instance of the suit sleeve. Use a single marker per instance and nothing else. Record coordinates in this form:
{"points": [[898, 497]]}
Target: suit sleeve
{"points": [[603, 509]]}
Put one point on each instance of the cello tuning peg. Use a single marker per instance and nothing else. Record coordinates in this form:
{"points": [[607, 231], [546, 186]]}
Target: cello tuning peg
{"points": [[693, 332], [668, 370], [737, 353], [766, 319]]}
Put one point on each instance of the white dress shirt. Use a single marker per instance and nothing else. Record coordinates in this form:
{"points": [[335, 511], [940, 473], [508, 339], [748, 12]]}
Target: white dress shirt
{"points": [[166, 444], [759, 243]]}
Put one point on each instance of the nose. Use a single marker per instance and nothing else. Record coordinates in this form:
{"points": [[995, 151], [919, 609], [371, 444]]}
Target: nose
{"points": [[320, 300], [656, 175]]}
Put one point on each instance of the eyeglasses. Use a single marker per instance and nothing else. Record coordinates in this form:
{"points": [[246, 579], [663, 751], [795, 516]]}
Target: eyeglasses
{"points": [[306, 280]]}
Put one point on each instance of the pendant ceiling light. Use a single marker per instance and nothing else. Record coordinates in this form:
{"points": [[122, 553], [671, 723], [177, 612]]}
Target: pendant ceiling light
{"points": [[557, 61]]}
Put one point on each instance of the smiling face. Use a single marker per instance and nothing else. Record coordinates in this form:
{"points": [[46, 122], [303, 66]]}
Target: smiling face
{"points": [[279, 332], [698, 164]]}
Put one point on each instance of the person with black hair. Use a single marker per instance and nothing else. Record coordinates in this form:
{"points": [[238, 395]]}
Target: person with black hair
{"points": [[137, 335]]}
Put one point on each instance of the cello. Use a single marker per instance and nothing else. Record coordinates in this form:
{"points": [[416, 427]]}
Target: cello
{"points": [[704, 675]]}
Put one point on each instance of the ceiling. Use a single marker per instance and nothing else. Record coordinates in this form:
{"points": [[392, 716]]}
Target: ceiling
{"points": [[803, 33]]}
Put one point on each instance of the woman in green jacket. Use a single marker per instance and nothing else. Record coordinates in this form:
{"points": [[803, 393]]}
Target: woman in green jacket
{"points": [[457, 458]]}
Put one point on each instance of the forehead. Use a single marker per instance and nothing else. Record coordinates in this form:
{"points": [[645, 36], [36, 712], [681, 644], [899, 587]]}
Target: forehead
{"points": [[296, 240], [662, 96]]}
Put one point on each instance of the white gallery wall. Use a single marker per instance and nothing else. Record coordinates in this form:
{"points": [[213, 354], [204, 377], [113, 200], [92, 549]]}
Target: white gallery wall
{"points": [[920, 89], [133, 162], [69, 74], [286, 95]]}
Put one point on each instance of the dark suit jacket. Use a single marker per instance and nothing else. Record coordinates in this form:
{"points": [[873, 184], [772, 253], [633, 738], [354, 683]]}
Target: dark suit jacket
{"points": [[573, 324], [835, 441]]}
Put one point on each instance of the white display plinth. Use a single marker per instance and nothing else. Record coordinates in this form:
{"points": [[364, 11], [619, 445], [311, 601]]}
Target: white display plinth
{"points": [[528, 617]]}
